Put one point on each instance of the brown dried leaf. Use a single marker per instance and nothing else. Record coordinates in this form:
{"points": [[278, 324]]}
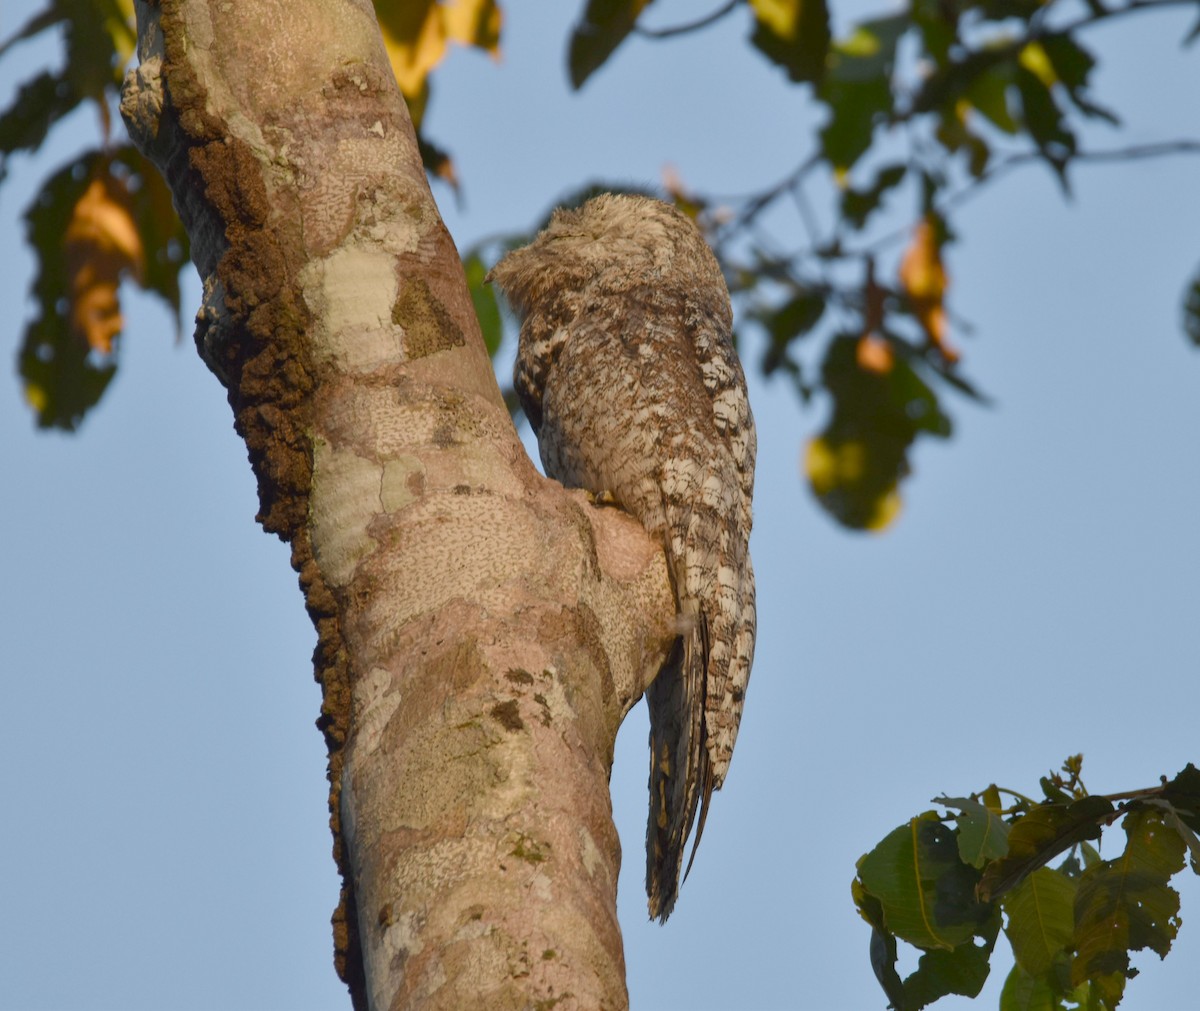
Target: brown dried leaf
{"points": [[923, 279], [101, 242]]}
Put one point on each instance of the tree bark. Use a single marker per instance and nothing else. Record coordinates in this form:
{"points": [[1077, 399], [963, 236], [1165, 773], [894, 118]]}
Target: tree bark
{"points": [[481, 631]]}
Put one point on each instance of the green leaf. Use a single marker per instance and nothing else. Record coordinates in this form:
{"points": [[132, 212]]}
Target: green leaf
{"points": [[793, 34], [39, 104], [963, 970], [1183, 793], [858, 205], [925, 891], [63, 376], [1126, 905], [988, 92], [938, 25], [437, 161], [164, 238], [857, 88], [37, 24], [883, 944], [786, 323], [879, 409], [982, 834], [1039, 836], [603, 27], [93, 61], [62, 379], [1073, 65], [1023, 992], [1044, 121], [484, 299], [1041, 919]]}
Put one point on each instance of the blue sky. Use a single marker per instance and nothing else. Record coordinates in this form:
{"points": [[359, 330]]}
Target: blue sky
{"points": [[167, 843]]}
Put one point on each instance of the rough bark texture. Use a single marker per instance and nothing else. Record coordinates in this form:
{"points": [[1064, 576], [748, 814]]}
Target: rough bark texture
{"points": [[481, 632]]}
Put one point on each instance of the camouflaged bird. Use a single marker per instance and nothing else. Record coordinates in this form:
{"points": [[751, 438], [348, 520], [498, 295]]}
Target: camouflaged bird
{"points": [[627, 372]]}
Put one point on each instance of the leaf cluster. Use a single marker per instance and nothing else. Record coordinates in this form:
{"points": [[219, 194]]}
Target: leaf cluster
{"points": [[922, 108], [103, 218], [947, 882], [927, 104]]}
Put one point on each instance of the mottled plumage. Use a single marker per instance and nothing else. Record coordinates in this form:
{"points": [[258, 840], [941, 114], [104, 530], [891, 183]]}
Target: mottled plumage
{"points": [[627, 372]]}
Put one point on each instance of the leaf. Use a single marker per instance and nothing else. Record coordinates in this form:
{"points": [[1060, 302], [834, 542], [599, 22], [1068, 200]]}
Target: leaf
{"points": [[437, 162], [484, 299], [40, 103], [883, 944], [857, 88], [1044, 120], [98, 43], [858, 205], [858, 488], [988, 92], [962, 970], [923, 280], [1126, 905], [1072, 65], [93, 223], [604, 26], [1039, 836], [982, 834], [416, 34], [37, 24], [1172, 818], [101, 242], [1183, 794], [120, 24], [1191, 311], [164, 239], [925, 891], [1041, 918], [954, 135], [1023, 992], [793, 34], [788, 322], [856, 464], [473, 23]]}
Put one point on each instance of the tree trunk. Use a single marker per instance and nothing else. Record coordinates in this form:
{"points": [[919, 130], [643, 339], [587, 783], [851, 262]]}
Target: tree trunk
{"points": [[481, 631]]}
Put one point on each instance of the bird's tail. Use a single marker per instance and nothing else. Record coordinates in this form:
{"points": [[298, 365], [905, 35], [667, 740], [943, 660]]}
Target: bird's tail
{"points": [[680, 772]]}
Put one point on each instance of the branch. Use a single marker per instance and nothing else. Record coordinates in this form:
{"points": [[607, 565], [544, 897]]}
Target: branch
{"points": [[691, 26], [1134, 152]]}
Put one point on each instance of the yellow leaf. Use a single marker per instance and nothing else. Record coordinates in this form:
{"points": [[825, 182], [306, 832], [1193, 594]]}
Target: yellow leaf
{"points": [[862, 43], [101, 242], [416, 33], [474, 23], [415, 36], [781, 16], [839, 473], [1034, 59], [120, 28], [923, 279]]}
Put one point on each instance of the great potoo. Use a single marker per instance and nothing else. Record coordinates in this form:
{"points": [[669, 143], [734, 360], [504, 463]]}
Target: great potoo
{"points": [[627, 372]]}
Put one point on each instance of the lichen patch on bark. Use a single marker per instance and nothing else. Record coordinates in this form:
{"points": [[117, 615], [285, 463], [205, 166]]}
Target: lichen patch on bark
{"points": [[428, 327]]}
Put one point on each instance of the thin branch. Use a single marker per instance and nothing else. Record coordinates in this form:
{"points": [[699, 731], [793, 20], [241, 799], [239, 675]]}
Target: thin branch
{"points": [[691, 26], [1099, 14], [1135, 152]]}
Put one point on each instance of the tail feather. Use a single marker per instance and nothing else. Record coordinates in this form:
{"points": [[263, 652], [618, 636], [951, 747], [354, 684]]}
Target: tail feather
{"points": [[680, 774]]}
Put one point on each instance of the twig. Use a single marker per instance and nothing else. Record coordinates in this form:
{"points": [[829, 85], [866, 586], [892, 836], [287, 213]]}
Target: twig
{"points": [[1135, 152], [691, 26]]}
